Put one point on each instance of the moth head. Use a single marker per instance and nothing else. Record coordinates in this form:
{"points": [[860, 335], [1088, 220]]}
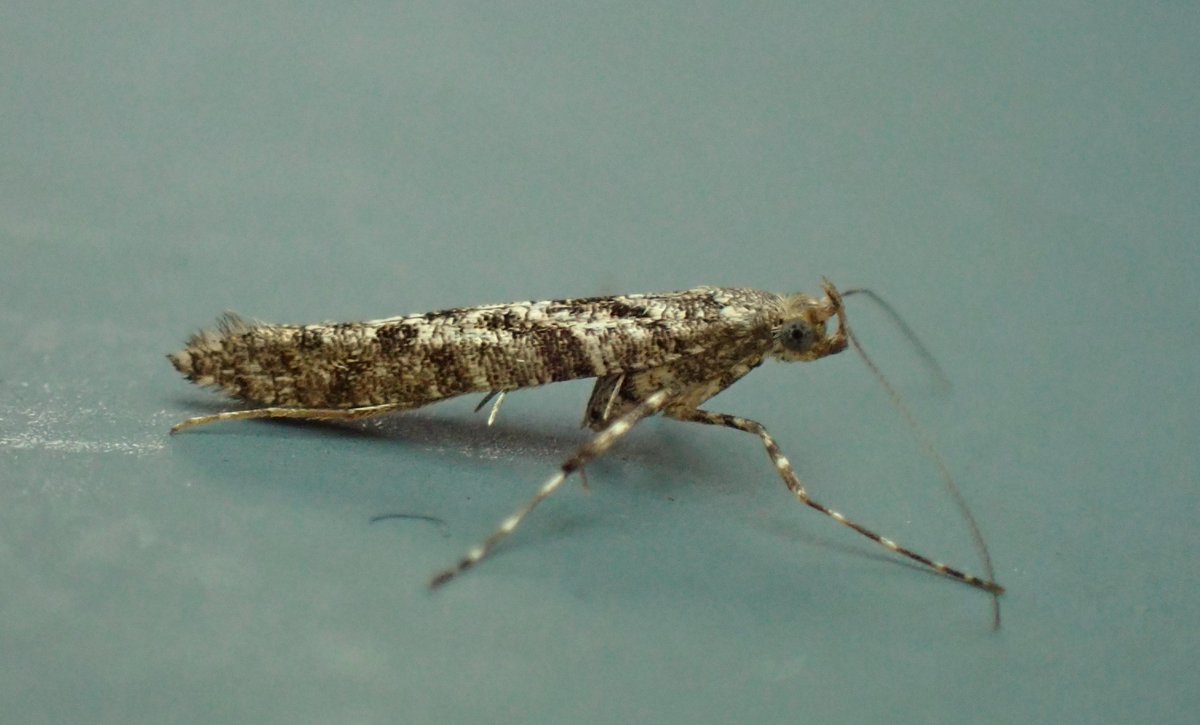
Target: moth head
{"points": [[803, 333]]}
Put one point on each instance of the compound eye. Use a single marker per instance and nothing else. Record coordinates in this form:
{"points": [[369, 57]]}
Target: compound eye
{"points": [[797, 336]]}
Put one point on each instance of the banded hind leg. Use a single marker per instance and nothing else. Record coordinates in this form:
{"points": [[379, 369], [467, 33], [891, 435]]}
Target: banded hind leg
{"points": [[368, 411], [597, 446], [793, 483]]}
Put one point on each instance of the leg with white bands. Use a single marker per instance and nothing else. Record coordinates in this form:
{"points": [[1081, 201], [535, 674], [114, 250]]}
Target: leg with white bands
{"points": [[793, 483], [600, 443]]}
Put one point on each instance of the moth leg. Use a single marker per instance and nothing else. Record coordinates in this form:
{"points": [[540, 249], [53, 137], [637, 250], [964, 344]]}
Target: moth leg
{"points": [[485, 400], [600, 403], [495, 408], [612, 397], [368, 411], [793, 483], [599, 443]]}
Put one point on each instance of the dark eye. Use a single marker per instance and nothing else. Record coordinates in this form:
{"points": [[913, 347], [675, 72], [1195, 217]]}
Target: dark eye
{"points": [[797, 336]]}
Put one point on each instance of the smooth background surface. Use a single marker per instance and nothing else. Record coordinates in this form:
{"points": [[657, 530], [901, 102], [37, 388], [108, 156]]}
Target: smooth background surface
{"points": [[1020, 180]]}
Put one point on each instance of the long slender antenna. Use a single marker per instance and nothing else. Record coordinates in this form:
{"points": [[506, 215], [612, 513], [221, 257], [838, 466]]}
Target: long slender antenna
{"points": [[923, 438], [943, 380]]}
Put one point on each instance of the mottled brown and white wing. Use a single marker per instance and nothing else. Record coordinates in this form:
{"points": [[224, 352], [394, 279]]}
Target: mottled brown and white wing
{"points": [[411, 361]]}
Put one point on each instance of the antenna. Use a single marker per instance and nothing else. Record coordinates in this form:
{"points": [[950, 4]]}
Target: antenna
{"points": [[923, 438]]}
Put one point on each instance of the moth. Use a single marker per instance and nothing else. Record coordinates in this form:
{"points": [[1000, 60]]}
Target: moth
{"points": [[650, 353]]}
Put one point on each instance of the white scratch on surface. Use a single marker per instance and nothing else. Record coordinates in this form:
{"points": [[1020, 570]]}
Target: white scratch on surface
{"points": [[35, 441], [49, 426]]}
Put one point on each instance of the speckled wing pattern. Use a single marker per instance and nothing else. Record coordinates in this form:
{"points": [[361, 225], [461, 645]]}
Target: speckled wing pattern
{"points": [[683, 337]]}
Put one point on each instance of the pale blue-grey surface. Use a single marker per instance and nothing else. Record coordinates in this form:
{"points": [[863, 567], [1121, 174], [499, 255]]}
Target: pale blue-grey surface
{"points": [[1021, 180]]}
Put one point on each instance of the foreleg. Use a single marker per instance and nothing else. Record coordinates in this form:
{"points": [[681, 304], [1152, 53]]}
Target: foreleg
{"points": [[793, 483]]}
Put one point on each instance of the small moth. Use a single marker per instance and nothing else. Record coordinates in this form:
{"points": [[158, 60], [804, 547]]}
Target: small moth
{"points": [[650, 353]]}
